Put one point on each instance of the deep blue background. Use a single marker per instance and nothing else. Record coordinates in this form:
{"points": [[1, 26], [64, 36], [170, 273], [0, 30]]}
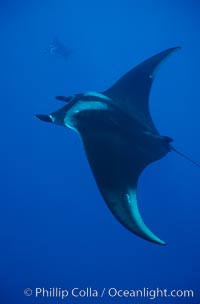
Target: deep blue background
{"points": [[56, 230]]}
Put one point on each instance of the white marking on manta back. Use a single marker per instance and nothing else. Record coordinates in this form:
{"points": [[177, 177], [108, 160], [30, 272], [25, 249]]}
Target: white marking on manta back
{"points": [[96, 94], [82, 106]]}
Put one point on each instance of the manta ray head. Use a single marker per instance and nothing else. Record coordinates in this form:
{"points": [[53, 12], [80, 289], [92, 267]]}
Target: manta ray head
{"points": [[79, 107]]}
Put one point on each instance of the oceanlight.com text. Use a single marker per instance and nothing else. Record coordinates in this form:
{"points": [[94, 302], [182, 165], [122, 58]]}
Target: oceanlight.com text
{"points": [[90, 292]]}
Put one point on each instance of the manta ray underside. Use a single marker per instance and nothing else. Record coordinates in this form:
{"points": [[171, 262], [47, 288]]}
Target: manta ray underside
{"points": [[119, 138]]}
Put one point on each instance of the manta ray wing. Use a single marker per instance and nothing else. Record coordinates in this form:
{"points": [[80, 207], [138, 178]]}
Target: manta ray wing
{"points": [[116, 161], [131, 92]]}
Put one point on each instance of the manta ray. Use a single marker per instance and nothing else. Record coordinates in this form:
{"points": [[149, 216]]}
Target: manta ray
{"points": [[56, 47], [119, 138]]}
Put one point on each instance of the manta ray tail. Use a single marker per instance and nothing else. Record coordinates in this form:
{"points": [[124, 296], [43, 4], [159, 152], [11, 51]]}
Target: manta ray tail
{"points": [[185, 156]]}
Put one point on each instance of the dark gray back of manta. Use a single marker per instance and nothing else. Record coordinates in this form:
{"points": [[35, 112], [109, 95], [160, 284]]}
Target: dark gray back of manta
{"points": [[117, 157], [121, 141]]}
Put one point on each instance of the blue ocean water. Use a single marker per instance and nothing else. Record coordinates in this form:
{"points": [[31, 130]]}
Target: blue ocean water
{"points": [[56, 230]]}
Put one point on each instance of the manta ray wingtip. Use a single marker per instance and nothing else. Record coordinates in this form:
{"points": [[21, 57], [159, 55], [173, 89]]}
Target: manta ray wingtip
{"points": [[152, 237], [161, 243], [172, 50], [177, 48]]}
